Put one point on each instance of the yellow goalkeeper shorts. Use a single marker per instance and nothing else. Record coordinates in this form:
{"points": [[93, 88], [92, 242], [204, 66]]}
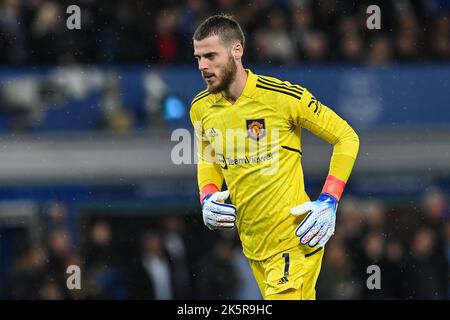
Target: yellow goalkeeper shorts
{"points": [[289, 275]]}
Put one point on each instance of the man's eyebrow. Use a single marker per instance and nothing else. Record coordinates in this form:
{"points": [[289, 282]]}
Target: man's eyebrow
{"points": [[207, 54]]}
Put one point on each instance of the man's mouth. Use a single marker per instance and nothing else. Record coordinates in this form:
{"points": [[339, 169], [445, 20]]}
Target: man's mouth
{"points": [[208, 77]]}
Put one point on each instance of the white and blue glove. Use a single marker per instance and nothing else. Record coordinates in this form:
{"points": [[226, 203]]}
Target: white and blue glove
{"points": [[318, 226], [216, 214]]}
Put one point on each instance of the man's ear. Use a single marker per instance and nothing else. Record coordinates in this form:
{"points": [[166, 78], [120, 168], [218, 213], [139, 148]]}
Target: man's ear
{"points": [[238, 51]]}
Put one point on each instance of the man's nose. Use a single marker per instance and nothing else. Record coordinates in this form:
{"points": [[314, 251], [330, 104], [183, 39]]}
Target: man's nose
{"points": [[202, 65]]}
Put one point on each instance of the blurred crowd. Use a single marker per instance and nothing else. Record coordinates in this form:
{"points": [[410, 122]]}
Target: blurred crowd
{"points": [[409, 243], [286, 31], [128, 260], [177, 258]]}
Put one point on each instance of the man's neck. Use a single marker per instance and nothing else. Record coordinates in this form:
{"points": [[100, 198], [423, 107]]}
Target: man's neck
{"points": [[237, 86]]}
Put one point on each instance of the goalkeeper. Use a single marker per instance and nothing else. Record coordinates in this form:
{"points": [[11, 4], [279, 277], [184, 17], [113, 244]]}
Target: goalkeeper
{"points": [[282, 232]]}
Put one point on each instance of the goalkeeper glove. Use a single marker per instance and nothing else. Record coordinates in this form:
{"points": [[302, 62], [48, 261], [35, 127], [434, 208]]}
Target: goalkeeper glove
{"points": [[216, 214], [318, 226]]}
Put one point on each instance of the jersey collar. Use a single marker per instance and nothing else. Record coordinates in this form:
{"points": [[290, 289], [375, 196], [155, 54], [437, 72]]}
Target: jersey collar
{"points": [[250, 85], [249, 88]]}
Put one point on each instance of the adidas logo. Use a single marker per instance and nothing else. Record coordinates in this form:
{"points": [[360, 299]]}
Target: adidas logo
{"points": [[212, 133], [283, 280]]}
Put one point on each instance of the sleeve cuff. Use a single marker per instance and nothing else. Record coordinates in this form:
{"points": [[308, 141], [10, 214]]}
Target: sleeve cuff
{"points": [[334, 187], [208, 189]]}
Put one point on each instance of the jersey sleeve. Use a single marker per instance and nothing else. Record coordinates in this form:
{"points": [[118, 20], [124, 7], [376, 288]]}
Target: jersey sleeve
{"points": [[317, 118], [208, 171]]}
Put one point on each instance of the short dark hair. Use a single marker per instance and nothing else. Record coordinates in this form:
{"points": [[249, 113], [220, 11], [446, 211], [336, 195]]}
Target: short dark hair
{"points": [[222, 25]]}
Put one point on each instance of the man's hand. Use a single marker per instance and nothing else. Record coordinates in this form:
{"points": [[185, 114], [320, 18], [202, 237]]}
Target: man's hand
{"points": [[318, 226], [216, 214]]}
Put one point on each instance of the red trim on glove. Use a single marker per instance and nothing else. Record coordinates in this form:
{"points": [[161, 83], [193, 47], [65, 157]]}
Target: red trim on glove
{"points": [[334, 187], [208, 189]]}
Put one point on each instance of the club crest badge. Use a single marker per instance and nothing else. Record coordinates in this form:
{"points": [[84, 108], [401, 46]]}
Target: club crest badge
{"points": [[256, 129]]}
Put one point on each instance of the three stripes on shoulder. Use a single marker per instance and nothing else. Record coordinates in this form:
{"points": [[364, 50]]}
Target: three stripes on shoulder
{"points": [[268, 84]]}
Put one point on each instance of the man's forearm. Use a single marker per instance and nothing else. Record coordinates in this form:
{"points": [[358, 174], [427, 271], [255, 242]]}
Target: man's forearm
{"points": [[209, 175], [341, 165]]}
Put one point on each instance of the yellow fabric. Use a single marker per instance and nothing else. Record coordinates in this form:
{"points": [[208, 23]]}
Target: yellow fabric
{"points": [[208, 171], [264, 175], [303, 272]]}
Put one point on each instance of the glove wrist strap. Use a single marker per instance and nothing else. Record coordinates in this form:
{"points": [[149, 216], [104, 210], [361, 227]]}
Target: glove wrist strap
{"points": [[334, 187], [206, 190]]}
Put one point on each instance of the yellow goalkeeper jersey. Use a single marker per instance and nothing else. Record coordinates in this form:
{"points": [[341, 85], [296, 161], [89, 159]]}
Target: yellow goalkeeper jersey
{"points": [[255, 146]]}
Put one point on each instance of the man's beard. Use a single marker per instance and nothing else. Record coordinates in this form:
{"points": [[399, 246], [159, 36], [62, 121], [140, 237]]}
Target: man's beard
{"points": [[228, 76]]}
